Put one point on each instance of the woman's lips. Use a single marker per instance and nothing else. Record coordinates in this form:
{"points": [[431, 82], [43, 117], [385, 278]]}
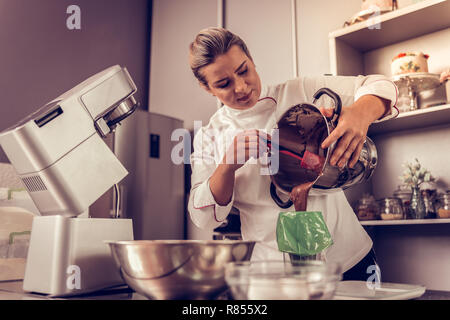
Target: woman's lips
{"points": [[246, 97]]}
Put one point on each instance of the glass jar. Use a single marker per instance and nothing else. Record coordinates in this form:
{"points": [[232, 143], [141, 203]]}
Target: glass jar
{"points": [[429, 204], [391, 209], [443, 206], [367, 208], [404, 192], [430, 189]]}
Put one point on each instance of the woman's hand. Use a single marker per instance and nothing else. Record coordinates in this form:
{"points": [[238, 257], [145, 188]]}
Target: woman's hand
{"points": [[445, 75], [352, 127], [245, 145]]}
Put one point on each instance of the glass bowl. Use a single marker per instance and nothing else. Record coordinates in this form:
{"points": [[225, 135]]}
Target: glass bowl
{"points": [[282, 280]]}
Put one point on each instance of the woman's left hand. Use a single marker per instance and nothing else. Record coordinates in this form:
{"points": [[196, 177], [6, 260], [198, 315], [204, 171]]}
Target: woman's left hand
{"points": [[351, 131]]}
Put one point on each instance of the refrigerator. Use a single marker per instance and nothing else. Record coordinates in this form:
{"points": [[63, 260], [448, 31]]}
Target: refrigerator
{"points": [[153, 193]]}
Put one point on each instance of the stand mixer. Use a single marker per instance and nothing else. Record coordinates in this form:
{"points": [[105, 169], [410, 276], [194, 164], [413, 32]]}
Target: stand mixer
{"points": [[65, 165]]}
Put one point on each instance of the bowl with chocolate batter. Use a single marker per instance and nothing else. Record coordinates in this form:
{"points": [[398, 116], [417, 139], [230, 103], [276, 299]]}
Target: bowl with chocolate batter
{"points": [[302, 163]]}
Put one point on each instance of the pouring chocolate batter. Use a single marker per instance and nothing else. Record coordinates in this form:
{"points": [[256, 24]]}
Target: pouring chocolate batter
{"points": [[223, 66], [299, 195]]}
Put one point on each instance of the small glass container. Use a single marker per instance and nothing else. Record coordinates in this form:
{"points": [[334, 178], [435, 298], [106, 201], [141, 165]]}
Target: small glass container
{"points": [[404, 103], [404, 192], [367, 208], [430, 189], [443, 206], [429, 204], [391, 209]]}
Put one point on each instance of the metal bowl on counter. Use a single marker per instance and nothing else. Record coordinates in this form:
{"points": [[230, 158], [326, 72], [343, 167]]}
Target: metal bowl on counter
{"points": [[178, 269], [282, 280]]}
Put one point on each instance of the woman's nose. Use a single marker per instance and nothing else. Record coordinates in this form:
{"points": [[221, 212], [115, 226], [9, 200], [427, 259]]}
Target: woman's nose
{"points": [[241, 85]]}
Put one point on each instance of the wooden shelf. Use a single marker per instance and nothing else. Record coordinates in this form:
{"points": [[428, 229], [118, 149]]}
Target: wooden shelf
{"points": [[409, 22], [403, 222], [421, 118]]}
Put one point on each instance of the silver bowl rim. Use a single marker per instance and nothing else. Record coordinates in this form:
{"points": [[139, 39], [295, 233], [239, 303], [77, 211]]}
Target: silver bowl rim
{"points": [[178, 242]]}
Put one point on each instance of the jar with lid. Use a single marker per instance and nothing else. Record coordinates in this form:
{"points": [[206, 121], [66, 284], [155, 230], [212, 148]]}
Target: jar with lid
{"points": [[443, 205], [391, 209], [367, 208]]}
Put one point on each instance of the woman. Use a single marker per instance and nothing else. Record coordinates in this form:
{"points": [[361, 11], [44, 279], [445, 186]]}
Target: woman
{"points": [[225, 172]]}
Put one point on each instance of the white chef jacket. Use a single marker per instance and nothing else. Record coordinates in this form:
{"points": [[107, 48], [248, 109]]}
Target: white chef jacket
{"points": [[251, 195]]}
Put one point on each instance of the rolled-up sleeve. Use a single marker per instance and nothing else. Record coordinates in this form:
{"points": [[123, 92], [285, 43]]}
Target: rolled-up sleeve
{"points": [[348, 88], [382, 87], [203, 209]]}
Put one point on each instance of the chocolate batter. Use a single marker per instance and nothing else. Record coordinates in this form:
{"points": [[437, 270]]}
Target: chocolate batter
{"points": [[299, 195]]}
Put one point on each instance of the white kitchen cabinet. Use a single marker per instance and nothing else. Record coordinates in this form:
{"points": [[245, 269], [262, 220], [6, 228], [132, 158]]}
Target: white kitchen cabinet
{"points": [[409, 251]]}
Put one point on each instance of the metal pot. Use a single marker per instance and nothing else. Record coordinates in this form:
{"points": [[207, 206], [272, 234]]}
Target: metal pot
{"points": [[301, 130]]}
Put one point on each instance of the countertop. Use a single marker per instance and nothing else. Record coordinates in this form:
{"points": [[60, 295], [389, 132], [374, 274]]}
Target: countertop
{"points": [[12, 290]]}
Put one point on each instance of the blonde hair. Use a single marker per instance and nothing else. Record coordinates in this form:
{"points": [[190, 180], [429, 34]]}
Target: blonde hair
{"points": [[210, 43]]}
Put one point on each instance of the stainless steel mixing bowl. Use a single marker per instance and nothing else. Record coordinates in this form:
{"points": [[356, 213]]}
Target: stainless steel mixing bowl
{"points": [[178, 269], [285, 280]]}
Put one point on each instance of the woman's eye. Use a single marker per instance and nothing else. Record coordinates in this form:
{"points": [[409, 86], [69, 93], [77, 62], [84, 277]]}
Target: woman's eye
{"points": [[223, 85], [241, 73]]}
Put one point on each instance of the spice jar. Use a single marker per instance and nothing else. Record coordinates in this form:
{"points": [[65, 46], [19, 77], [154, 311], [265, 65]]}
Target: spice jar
{"points": [[443, 205], [367, 208], [391, 209]]}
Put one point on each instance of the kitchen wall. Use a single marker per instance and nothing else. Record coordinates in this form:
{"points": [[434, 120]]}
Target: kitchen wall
{"points": [[265, 25], [40, 58], [266, 28], [316, 19], [174, 91]]}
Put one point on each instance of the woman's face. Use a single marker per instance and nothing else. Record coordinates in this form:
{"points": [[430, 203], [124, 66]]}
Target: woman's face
{"points": [[233, 79]]}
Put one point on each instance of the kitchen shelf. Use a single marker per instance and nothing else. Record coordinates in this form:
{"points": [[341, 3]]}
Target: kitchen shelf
{"points": [[349, 46], [403, 222], [409, 22], [421, 118]]}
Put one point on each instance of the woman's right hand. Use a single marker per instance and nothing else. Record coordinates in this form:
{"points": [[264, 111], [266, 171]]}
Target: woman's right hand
{"points": [[246, 145]]}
